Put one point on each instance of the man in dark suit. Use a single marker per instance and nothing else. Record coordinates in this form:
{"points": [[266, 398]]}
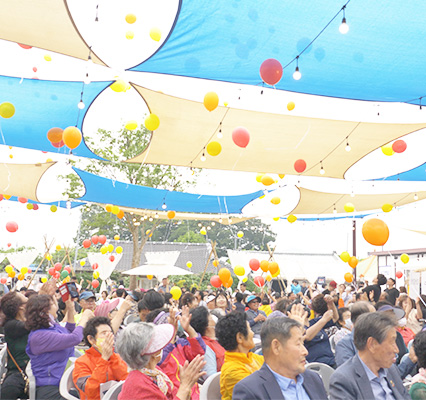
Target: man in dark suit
{"points": [[283, 374], [371, 374]]}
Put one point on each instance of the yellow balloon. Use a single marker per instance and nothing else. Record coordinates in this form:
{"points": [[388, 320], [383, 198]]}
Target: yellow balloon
{"points": [[349, 207], [268, 277], [131, 125], [276, 273], [291, 218], [110, 248], [130, 35], [176, 292], [152, 122], [281, 176], [239, 270], [405, 258], [47, 57], [115, 210], [189, 264], [116, 237], [49, 160], [262, 197], [290, 106], [48, 257], [24, 270], [214, 148], [150, 276], [155, 34], [7, 110], [387, 207], [53, 208], [44, 279], [95, 274], [259, 177], [276, 218], [118, 249], [215, 263], [30, 206], [9, 269], [104, 249], [240, 234], [275, 200], [211, 101], [82, 263], [148, 233], [203, 231], [7, 196], [387, 150], [245, 279], [58, 247], [130, 18], [118, 86], [345, 256], [267, 180]]}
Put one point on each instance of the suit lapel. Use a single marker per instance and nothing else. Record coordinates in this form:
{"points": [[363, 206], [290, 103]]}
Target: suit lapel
{"points": [[312, 391], [270, 383], [391, 382], [362, 380]]}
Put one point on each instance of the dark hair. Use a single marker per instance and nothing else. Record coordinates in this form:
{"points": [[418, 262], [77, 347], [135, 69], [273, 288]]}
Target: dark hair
{"points": [[265, 301], [419, 345], [37, 312], [153, 300], [296, 282], [319, 305], [393, 280], [120, 292], [91, 328], [200, 293], [167, 297], [23, 289], [186, 299], [142, 305], [10, 304], [359, 308], [153, 314], [29, 293], [402, 289], [341, 311], [104, 291], [375, 325], [282, 305], [200, 319], [239, 297], [228, 327], [381, 280], [277, 328], [222, 293]]}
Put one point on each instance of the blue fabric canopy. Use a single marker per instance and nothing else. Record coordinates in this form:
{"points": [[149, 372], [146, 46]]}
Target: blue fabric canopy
{"points": [[41, 105], [106, 191], [415, 174], [381, 58]]}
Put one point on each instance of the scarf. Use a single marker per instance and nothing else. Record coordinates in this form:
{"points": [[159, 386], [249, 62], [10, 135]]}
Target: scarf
{"points": [[159, 378], [218, 350]]}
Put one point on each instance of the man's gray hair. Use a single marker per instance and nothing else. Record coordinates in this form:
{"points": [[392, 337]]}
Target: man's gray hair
{"points": [[359, 308], [132, 341], [277, 328], [376, 325]]}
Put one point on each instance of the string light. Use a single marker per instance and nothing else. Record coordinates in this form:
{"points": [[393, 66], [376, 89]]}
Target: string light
{"points": [[334, 209], [344, 27], [203, 157], [322, 172], [87, 79], [297, 74], [150, 219], [220, 134], [164, 206], [81, 105], [156, 215], [347, 148], [416, 197], [220, 220]]}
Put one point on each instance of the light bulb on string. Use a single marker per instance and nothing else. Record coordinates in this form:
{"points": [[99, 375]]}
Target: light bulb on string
{"points": [[344, 27], [203, 157], [334, 210], [297, 74], [220, 220], [220, 134], [156, 215], [150, 219], [322, 172], [81, 105], [347, 148], [352, 194], [416, 197], [164, 206], [87, 79]]}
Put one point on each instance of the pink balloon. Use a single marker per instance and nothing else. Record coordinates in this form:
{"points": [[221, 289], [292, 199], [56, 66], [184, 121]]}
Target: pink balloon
{"points": [[399, 274], [241, 136], [95, 239], [95, 283], [12, 226], [215, 281], [300, 165], [271, 71], [254, 264], [35, 69], [399, 146], [59, 144], [3, 280], [35, 207], [259, 281]]}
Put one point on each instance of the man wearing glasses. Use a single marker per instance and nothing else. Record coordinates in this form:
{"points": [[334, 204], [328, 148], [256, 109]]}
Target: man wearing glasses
{"points": [[255, 317]]}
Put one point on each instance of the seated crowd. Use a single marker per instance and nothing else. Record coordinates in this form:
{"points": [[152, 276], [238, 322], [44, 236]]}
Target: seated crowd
{"points": [[371, 343]]}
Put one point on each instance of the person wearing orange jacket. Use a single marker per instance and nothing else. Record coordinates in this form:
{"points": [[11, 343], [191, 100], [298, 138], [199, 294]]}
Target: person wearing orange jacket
{"points": [[99, 364]]}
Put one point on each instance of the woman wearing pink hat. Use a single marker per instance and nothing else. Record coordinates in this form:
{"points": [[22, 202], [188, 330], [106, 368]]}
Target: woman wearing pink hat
{"points": [[141, 345]]}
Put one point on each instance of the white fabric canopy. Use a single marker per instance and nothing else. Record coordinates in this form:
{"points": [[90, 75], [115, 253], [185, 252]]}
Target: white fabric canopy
{"points": [[158, 270], [22, 259], [106, 266]]}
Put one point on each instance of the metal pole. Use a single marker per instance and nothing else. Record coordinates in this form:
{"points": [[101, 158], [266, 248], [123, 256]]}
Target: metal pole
{"points": [[354, 243]]}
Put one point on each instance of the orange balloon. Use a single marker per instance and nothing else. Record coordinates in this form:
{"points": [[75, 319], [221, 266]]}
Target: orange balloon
{"points": [[120, 214], [229, 283], [349, 277], [375, 232], [264, 265], [224, 275], [171, 214], [273, 267], [72, 137], [55, 135], [353, 262]]}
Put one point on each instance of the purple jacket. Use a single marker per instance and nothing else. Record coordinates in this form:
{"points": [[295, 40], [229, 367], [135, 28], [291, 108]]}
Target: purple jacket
{"points": [[49, 351]]}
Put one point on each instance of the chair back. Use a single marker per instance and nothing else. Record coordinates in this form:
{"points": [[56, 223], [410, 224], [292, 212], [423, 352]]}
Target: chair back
{"points": [[32, 380], [67, 383], [211, 388], [324, 371], [113, 392], [130, 318], [3, 361]]}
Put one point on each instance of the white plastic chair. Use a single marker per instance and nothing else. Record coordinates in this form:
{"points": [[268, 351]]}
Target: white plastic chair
{"points": [[130, 318], [324, 371], [67, 383], [332, 344], [3, 361], [211, 388], [113, 393], [31, 378]]}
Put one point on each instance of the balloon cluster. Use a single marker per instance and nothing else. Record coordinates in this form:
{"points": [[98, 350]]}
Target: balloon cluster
{"points": [[59, 272], [399, 146], [11, 273], [115, 210], [70, 137], [223, 278]]}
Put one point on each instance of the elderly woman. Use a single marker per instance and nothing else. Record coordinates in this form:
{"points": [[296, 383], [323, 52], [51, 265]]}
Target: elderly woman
{"points": [[418, 388], [141, 345], [203, 323], [409, 306], [233, 332], [49, 344], [16, 337]]}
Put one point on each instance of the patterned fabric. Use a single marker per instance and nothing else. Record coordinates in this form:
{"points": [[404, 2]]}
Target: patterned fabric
{"points": [[160, 378]]}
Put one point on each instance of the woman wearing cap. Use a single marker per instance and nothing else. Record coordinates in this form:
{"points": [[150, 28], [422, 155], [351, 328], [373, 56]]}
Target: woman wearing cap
{"points": [[255, 317], [141, 345]]}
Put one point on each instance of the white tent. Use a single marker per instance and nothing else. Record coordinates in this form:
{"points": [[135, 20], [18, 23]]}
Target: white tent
{"points": [[158, 270]]}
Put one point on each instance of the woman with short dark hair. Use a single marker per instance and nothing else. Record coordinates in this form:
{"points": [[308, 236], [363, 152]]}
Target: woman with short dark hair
{"points": [[418, 388]]}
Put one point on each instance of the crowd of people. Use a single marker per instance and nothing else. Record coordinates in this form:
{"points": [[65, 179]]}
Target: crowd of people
{"points": [[262, 343]]}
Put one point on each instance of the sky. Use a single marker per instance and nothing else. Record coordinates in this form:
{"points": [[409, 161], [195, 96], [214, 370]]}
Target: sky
{"points": [[111, 109]]}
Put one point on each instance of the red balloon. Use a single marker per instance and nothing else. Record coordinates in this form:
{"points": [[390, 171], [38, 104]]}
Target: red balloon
{"points": [[35, 69], [95, 283], [399, 146], [1, 197], [111, 258], [30, 270], [102, 239], [86, 243], [300, 166], [22, 200], [95, 239], [95, 266], [254, 264], [215, 281], [399, 274], [259, 281], [12, 226], [57, 275], [3, 280], [58, 266], [25, 46], [271, 71], [241, 136], [68, 269], [52, 271], [9, 244], [58, 145], [35, 206]]}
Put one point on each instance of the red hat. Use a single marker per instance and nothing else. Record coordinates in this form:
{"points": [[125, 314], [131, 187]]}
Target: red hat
{"points": [[333, 284]]}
